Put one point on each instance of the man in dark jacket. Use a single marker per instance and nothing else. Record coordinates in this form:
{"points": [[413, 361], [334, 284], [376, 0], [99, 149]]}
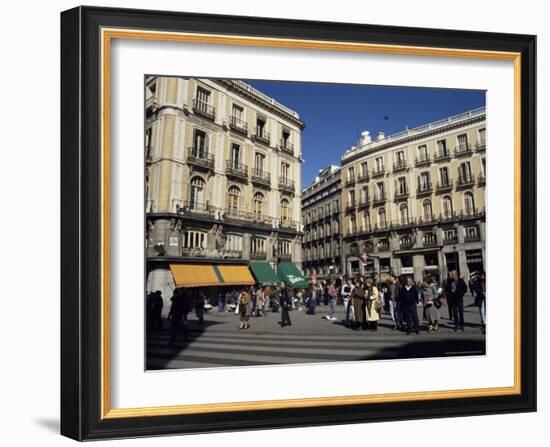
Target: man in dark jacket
{"points": [[408, 298], [286, 303], [455, 290]]}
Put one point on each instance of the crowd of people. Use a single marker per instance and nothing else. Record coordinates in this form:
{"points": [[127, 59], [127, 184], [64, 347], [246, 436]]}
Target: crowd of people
{"points": [[363, 300]]}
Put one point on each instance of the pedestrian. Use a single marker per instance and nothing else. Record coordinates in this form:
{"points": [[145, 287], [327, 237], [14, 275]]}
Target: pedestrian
{"points": [[199, 305], [333, 295], [358, 302], [244, 309], [285, 302], [155, 304], [347, 289], [408, 299], [448, 299], [477, 288], [428, 294], [313, 295], [267, 299], [180, 308], [373, 305], [394, 289], [259, 301], [455, 290], [221, 300]]}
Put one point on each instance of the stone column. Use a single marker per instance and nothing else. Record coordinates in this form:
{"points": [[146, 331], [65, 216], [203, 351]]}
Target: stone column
{"points": [[419, 263]]}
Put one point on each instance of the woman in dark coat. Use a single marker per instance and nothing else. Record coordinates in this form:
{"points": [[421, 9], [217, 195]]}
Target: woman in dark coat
{"points": [[286, 303]]}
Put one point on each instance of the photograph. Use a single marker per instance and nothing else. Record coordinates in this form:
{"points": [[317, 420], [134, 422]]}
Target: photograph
{"points": [[296, 222]]}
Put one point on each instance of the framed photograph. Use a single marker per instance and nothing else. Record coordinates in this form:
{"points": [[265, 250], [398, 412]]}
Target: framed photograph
{"points": [[274, 223]]}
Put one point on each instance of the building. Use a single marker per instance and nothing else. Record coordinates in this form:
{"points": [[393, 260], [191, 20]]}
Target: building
{"points": [[322, 227], [223, 177], [414, 202]]}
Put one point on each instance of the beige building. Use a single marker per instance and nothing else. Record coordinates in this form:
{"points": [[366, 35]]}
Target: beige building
{"points": [[223, 176], [321, 215], [414, 202]]}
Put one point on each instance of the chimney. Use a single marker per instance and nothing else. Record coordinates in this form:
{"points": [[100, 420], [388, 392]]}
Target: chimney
{"points": [[381, 136]]}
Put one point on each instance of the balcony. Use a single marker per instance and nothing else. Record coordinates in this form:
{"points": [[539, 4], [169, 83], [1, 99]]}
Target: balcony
{"points": [[197, 208], [401, 195], [232, 214], [450, 240], [286, 146], [480, 146], [350, 181], [424, 189], [465, 181], [363, 177], [382, 246], [406, 243], [430, 241], [262, 136], [400, 165], [475, 237], [463, 150], [423, 160], [238, 125], [350, 206], [204, 109], [236, 169], [442, 156], [289, 224], [445, 186], [285, 257], [448, 217], [379, 171], [200, 158], [481, 179], [403, 223], [427, 220], [258, 255], [363, 203], [261, 178], [379, 199], [286, 185]]}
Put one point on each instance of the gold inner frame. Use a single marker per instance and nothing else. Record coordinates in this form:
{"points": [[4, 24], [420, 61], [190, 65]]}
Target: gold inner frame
{"points": [[107, 35]]}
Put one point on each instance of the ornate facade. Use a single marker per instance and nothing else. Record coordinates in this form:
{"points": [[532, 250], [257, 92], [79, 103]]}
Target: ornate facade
{"points": [[223, 175]]}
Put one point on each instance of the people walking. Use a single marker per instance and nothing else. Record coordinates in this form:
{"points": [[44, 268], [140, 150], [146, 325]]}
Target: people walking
{"points": [[455, 289], [286, 303], [259, 301], [244, 309], [313, 295], [408, 298], [358, 302], [332, 295], [372, 305], [394, 289], [428, 294], [448, 299], [347, 289], [180, 308], [477, 288], [155, 304], [200, 301]]}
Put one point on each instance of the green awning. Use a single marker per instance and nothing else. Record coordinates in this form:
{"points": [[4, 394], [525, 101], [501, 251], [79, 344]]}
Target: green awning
{"points": [[263, 273], [290, 274]]}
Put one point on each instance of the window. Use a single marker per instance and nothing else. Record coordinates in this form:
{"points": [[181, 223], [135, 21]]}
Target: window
{"points": [[442, 148], [483, 167], [400, 158], [352, 224], [285, 211], [469, 208], [284, 248], [481, 136], [382, 217], [351, 174], [450, 235], [380, 190], [471, 233], [285, 140], [237, 112], [465, 171], [199, 149], [444, 176], [234, 242], [379, 164], [364, 169], [424, 181], [365, 194], [429, 239], [447, 207], [148, 143], [194, 239], [258, 204], [402, 185], [260, 127], [427, 212], [235, 156], [203, 98], [351, 198], [404, 213], [285, 171], [366, 221], [423, 152], [196, 193], [233, 201], [462, 142], [259, 161]]}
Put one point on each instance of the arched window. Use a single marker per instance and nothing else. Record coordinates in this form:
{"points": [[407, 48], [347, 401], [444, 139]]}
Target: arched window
{"points": [[382, 217], [447, 207], [366, 221], [352, 224], [427, 211], [404, 213], [285, 212], [258, 205], [233, 199], [469, 203], [197, 193]]}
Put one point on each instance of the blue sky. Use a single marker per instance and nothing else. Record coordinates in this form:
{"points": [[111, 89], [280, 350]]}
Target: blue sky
{"points": [[335, 113]]}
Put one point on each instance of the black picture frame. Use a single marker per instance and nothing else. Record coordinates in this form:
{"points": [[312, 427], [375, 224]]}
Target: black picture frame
{"points": [[81, 224]]}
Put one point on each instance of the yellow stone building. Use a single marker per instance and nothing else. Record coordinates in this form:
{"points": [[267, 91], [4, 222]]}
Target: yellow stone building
{"points": [[414, 202], [223, 176]]}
